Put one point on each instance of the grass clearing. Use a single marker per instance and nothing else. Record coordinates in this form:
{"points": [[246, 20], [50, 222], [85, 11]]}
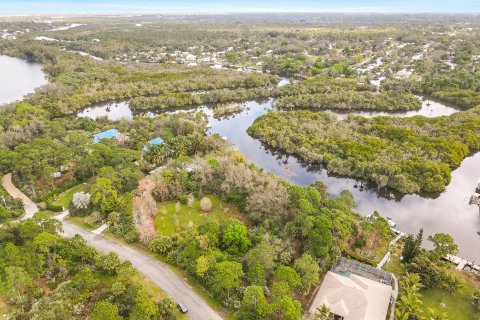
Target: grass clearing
{"points": [[4, 309], [380, 250], [395, 266], [64, 198], [84, 222], [173, 217], [458, 305]]}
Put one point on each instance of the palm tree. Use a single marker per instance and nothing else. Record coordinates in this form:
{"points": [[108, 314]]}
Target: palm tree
{"points": [[155, 154], [409, 304], [412, 281], [436, 316], [323, 312]]}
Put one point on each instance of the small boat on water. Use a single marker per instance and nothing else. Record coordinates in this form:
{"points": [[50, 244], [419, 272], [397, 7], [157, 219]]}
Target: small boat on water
{"points": [[477, 190]]}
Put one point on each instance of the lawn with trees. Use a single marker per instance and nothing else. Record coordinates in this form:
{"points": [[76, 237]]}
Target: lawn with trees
{"points": [[45, 276], [430, 287]]}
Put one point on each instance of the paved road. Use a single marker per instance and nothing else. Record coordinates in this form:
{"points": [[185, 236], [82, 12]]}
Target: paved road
{"points": [[156, 271]]}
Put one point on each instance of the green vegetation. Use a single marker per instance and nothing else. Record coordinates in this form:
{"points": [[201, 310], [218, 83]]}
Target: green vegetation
{"points": [[174, 217], [431, 287], [9, 207], [371, 240], [454, 306], [351, 100], [263, 258], [317, 93], [44, 274], [290, 230], [77, 83], [458, 86], [406, 154], [65, 198]]}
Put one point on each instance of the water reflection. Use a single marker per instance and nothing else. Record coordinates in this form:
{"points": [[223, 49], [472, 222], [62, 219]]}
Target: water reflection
{"points": [[113, 110], [447, 212], [430, 109], [31, 76]]}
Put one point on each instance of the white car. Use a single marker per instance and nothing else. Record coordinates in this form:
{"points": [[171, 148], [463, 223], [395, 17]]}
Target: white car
{"points": [[182, 307]]}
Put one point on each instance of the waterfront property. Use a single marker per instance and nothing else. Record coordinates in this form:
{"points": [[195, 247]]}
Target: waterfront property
{"points": [[355, 291], [108, 134], [462, 264]]}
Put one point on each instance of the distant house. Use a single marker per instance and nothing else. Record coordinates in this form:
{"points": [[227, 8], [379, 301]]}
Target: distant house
{"points": [[355, 291], [154, 142], [109, 134]]}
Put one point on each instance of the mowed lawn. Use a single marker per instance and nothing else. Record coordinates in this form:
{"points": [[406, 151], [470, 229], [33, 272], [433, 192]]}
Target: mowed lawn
{"points": [[64, 198], [173, 218], [458, 306]]}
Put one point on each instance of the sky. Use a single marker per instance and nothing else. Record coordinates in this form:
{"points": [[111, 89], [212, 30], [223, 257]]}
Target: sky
{"points": [[217, 6]]}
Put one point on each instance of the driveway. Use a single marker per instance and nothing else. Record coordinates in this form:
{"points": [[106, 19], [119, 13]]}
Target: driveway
{"points": [[158, 272], [29, 206]]}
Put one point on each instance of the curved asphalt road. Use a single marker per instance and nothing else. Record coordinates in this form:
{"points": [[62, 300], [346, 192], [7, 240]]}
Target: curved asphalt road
{"points": [[156, 271]]}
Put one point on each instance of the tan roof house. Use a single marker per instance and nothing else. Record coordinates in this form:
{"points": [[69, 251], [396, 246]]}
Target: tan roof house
{"points": [[350, 296]]}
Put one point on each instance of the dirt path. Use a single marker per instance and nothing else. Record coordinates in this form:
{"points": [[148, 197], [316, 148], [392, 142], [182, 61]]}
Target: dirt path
{"points": [[30, 206], [145, 210], [158, 272]]}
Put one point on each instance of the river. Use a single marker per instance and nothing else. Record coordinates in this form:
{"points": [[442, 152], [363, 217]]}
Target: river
{"points": [[448, 212], [18, 77]]}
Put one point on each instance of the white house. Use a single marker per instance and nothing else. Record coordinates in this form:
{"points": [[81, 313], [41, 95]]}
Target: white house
{"points": [[354, 291]]}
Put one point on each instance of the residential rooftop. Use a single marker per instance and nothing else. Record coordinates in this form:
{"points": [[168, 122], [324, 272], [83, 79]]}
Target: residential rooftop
{"points": [[108, 134]]}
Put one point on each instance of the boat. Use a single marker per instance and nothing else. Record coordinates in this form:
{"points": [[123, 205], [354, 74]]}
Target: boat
{"points": [[477, 190]]}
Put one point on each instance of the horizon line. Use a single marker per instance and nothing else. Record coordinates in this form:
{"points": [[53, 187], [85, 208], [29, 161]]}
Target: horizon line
{"points": [[269, 12]]}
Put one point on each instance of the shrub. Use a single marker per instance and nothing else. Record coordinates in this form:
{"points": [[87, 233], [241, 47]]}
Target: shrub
{"points": [[81, 200], [54, 207], [161, 244], [183, 199], [359, 258], [206, 204]]}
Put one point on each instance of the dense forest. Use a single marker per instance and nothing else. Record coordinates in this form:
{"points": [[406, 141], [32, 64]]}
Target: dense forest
{"points": [[407, 154], [255, 246], [46, 276]]}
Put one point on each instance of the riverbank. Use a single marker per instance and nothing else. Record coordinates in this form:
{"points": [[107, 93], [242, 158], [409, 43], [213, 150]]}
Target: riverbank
{"points": [[31, 76], [433, 212]]}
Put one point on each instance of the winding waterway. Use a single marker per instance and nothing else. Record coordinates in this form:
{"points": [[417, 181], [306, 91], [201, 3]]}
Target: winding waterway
{"points": [[448, 212], [18, 77]]}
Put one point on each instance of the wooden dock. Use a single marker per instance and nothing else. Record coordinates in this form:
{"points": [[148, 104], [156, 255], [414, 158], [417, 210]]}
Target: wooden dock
{"points": [[462, 264]]}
